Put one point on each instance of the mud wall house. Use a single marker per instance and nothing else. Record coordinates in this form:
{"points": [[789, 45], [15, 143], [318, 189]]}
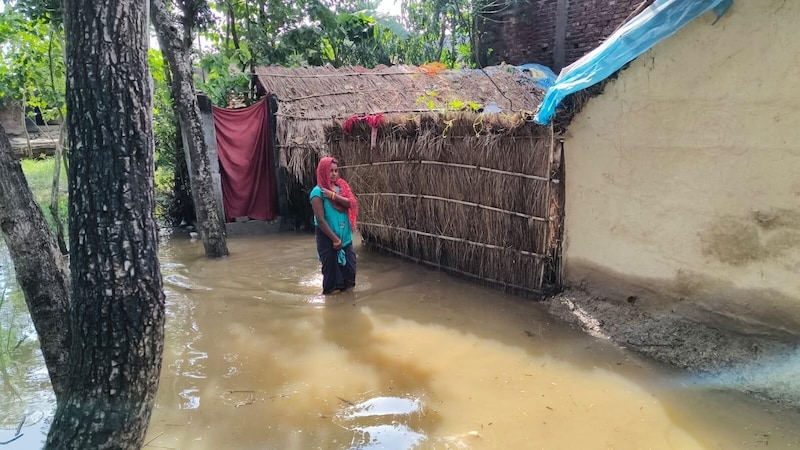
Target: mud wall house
{"points": [[682, 177], [12, 116], [26, 133], [448, 167], [553, 33]]}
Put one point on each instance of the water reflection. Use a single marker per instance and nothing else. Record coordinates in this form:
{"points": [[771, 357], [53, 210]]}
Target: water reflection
{"points": [[383, 422], [415, 359], [382, 406], [395, 436], [184, 364], [26, 398]]}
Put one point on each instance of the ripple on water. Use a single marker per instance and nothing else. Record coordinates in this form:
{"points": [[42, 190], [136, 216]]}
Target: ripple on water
{"points": [[292, 300], [183, 282]]}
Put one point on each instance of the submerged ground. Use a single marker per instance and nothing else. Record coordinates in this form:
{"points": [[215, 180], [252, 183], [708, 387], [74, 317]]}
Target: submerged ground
{"points": [[255, 358], [765, 366]]}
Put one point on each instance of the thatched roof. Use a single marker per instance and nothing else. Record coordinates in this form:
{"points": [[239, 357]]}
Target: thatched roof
{"points": [[312, 97], [328, 92]]}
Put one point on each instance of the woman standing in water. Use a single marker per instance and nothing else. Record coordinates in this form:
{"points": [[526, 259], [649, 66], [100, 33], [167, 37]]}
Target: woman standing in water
{"points": [[335, 212]]}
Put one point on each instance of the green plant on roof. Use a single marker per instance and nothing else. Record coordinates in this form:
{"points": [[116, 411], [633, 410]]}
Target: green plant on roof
{"points": [[458, 105], [426, 100], [461, 105]]}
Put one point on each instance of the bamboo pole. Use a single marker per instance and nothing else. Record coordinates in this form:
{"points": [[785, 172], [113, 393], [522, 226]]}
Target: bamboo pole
{"points": [[352, 92], [559, 237], [446, 164], [451, 200], [454, 239], [547, 194], [337, 75], [456, 271], [362, 113]]}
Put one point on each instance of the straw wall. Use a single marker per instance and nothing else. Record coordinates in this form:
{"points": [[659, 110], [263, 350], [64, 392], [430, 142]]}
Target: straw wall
{"points": [[463, 193]]}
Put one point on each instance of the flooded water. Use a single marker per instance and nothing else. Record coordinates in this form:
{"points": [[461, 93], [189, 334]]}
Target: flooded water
{"points": [[255, 358]]}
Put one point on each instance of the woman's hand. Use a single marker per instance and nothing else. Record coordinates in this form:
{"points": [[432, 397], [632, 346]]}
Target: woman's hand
{"points": [[327, 193], [337, 244]]}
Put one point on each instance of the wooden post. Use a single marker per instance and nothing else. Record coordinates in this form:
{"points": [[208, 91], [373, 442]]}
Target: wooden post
{"points": [[280, 174], [548, 196], [210, 134]]}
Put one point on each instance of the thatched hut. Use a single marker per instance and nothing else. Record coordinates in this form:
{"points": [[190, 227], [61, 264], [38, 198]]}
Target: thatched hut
{"points": [[452, 173]]}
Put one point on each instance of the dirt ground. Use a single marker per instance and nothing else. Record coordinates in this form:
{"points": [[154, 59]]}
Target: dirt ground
{"points": [[762, 366]]}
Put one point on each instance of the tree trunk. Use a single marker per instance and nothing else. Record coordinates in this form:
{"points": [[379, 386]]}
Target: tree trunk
{"points": [[182, 207], [210, 223], [55, 189], [182, 203], [440, 47], [40, 268], [25, 128], [117, 293]]}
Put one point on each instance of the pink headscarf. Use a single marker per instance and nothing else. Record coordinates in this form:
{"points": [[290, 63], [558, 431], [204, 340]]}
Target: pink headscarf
{"points": [[324, 181]]}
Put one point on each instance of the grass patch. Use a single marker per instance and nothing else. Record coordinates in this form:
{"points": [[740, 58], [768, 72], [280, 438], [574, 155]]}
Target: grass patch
{"points": [[39, 173]]}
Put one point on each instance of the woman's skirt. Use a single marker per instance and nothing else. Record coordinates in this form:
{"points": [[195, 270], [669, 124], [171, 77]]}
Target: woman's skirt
{"points": [[334, 275]]}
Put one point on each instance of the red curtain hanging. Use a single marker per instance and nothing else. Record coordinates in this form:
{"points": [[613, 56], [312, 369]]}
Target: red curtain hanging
{"points": [[248, 181]]}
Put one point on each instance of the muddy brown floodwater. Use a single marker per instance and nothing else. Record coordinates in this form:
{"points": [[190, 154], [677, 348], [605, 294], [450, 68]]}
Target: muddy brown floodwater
{"points": [[255, 358]]}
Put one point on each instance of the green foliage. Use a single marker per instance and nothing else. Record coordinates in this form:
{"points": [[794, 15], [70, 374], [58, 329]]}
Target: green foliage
{"points": [[48, 11], [335, 32], [224, 80], [165, 134], [237, 36], [31, 63]]}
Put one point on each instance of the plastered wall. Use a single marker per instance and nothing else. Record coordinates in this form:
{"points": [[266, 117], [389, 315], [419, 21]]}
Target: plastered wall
{"points": [[683, 177]]}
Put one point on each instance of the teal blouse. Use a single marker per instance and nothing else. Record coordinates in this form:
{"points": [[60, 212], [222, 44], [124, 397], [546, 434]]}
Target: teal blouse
{"points": [[337, 220]]}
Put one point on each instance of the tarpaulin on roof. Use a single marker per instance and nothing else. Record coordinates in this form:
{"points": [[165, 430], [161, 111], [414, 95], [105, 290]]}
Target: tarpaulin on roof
{"points": [[543, 76], [659, 21]]}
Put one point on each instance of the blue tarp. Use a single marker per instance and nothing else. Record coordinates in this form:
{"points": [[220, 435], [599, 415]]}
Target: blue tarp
{"points": [[543, 76], [659, 21]]}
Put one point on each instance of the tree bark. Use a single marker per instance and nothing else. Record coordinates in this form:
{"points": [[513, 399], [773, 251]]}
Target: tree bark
{"points": [[177, 52], [441, 35], [40, 268], [117, 292]]}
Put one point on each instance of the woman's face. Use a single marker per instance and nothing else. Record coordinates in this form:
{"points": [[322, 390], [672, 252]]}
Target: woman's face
{"points": [[334, 172]]}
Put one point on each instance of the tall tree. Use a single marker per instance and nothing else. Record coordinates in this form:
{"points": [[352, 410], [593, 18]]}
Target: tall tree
{"points": [[117, 293], [175, 35], [40, 268]]}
